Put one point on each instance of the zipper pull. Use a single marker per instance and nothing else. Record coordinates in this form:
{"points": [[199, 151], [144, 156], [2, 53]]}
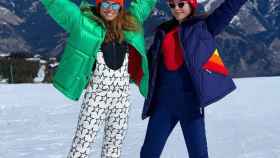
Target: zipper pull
{"points": [[210, 72]]}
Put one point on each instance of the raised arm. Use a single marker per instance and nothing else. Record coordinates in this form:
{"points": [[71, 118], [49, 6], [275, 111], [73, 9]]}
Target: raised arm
{"points": [[64, 12], [222, 16], [141, 9]]}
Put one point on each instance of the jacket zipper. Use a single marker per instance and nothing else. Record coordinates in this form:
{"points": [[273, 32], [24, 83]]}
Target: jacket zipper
{"points": [[181, 45], [187, 64]]}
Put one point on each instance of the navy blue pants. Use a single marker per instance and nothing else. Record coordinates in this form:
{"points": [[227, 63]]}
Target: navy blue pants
{"points": [[175, 102], [168, 113]]}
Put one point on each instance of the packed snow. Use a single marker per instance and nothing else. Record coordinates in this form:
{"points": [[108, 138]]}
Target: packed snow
{"points": [[37, 121]]}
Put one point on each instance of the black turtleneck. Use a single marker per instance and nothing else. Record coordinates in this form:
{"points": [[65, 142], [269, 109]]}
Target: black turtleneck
{"points": [[114, 54]]}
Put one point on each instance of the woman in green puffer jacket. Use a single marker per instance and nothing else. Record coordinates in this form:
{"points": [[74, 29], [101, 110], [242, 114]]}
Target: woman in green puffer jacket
{"points": [[104, 51]]}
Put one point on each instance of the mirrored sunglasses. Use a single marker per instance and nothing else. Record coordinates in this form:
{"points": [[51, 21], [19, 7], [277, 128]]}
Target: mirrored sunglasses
{"points": [[113, 6]]}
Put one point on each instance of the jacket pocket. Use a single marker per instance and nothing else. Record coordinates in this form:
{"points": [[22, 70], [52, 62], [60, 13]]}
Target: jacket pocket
{"points": [[215, 64], [207, 83]]}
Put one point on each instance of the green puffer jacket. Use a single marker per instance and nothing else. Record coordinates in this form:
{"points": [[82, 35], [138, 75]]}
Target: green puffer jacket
{"points": [[86, 34]]}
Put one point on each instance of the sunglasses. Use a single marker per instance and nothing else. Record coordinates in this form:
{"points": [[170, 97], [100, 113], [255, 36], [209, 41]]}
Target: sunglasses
{"points": [[173, 5], [107, 5]]}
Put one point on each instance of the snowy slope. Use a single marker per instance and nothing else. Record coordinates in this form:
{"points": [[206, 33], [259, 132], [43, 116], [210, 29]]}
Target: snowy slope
{"points": [[36, 121]]}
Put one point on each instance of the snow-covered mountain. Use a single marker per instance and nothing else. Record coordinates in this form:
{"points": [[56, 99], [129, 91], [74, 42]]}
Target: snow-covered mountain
{"points": [[26, 27], [250, 45]]}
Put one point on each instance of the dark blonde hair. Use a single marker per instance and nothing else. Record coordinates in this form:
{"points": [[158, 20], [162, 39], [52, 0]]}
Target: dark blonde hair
{"points": [[123, 22]]}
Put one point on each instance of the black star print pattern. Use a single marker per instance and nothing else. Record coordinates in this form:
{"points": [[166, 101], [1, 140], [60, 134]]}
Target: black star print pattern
{"points": [[105, 103]]}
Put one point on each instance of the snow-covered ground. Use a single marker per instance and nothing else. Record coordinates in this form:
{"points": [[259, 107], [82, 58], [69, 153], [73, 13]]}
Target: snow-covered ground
{"points": [[36, 121]]}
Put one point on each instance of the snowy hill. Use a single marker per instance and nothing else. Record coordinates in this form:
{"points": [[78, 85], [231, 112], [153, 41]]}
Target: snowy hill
{"points": [[250, 45], [37, 121]]}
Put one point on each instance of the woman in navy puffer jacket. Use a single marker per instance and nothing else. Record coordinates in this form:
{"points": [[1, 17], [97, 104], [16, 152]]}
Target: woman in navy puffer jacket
{"points": [[186, 75]]}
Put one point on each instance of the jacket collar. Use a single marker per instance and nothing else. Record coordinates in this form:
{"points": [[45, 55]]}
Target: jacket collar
{"points": [[169, 25]]}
